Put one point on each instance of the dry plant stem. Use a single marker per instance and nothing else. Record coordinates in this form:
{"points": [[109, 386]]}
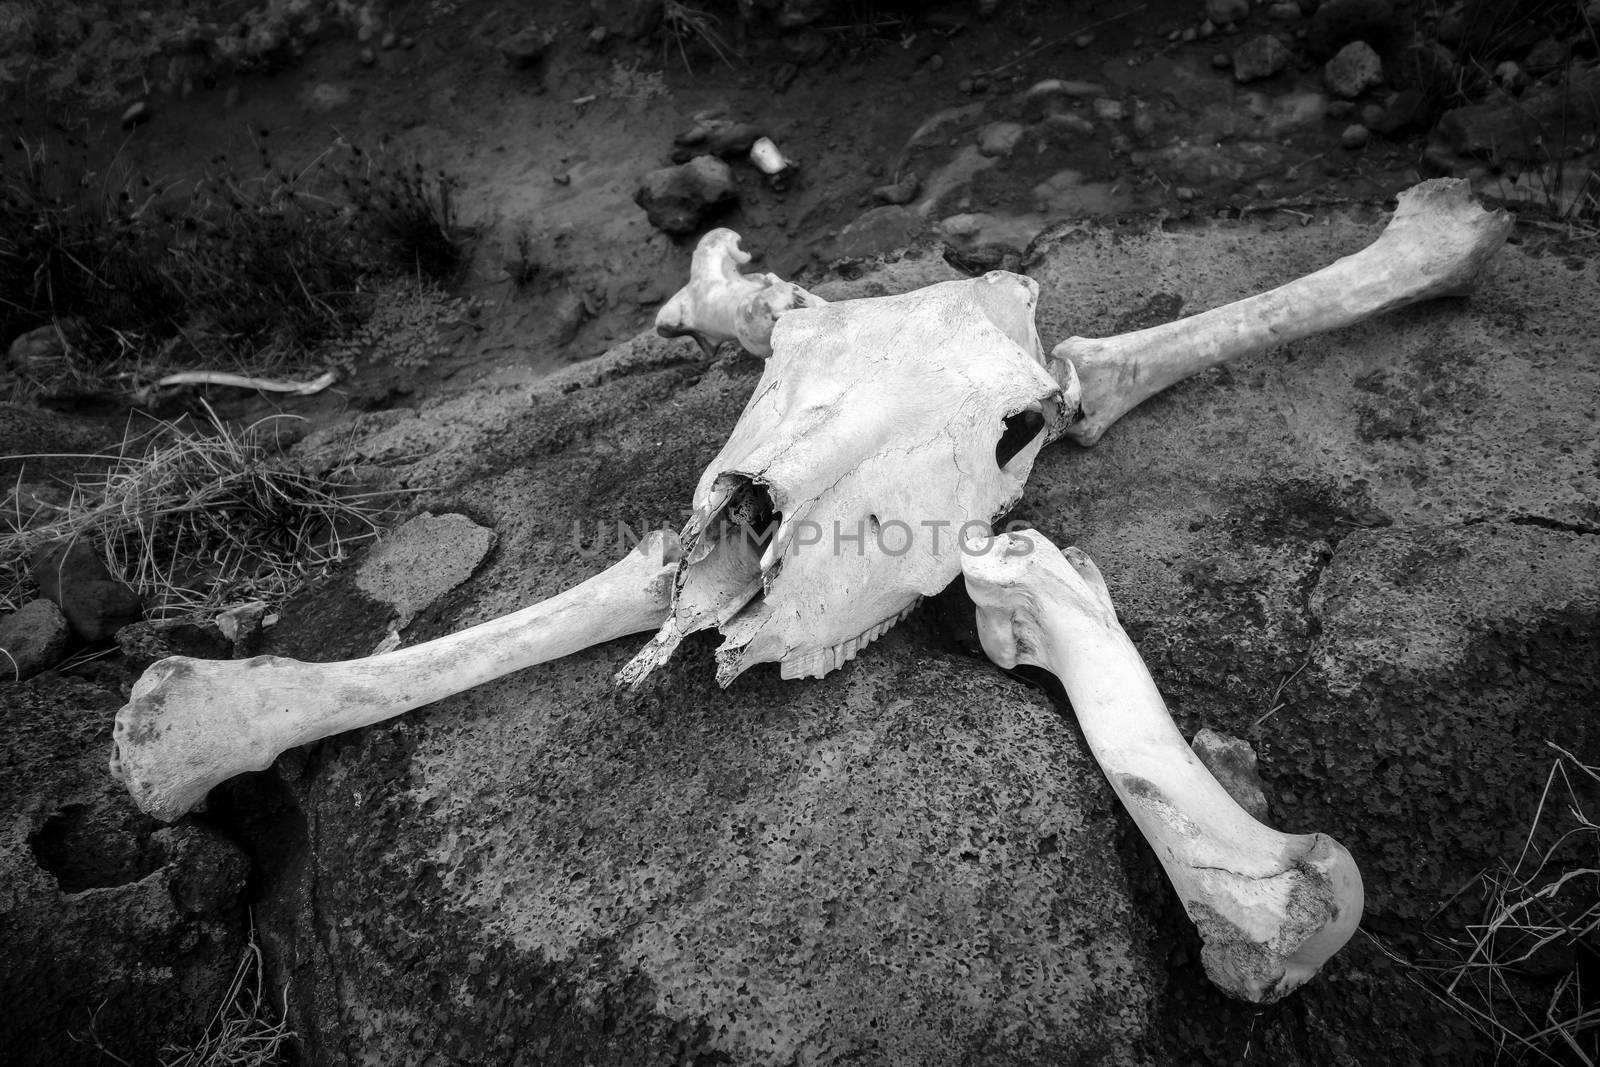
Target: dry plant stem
{"points": [[1435, 245], [242, 381], [192, 723], [1270, 907]]}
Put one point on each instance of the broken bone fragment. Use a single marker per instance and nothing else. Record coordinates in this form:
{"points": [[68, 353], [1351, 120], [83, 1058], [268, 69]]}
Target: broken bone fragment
{"points": [[878, 430], [193, 723], [766, 157], [1270, 907], [1436, 244], [719, 304]]}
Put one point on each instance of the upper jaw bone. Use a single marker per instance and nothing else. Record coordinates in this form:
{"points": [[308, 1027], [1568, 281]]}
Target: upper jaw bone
{"points": [[192, 723], [719, 304], [1435, 245], [1271, 908]]}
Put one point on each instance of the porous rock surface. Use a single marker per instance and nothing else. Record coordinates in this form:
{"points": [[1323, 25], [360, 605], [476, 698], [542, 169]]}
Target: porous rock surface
{"points": [[915, 860], [112, 928]]}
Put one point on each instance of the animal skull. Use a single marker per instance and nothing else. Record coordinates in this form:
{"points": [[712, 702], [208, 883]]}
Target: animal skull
{"points": [[879, 429]]}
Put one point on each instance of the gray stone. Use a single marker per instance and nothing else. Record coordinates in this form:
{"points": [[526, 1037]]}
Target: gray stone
{"points": [[1227, 10], [422, 560], [1355, 136], [1524, 129], [1546, 56], [526, 48], [1107, 109], [1000, 138], [95, 603], [875, 232], [42, 354], [32, 639], [678, 199], [901, 192], [1355, 69], [144, 642], [1232, 762], [100, 918], [1285, 11], [1260, 57], [722, 138]]}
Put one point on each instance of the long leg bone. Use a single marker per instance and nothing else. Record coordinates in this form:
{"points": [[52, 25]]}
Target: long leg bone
{"points": [[192, 723], [1270, 907], [719, 304], [1435, 244]]}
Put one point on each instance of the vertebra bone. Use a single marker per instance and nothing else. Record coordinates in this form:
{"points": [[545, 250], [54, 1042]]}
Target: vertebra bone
{"points": [[192, 723], [1270, 907], [1435, 245], [719, 304]]}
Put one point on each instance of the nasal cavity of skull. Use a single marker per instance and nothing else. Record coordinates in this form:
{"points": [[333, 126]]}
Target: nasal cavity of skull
{"points": [[1020, 431]]}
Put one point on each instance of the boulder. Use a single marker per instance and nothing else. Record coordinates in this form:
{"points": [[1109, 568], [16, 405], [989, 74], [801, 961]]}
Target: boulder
{"points": [[109, 924], [1355, 69], [678, 199], [95, 603], [32, 639], [1260, 57], [913, 859]]}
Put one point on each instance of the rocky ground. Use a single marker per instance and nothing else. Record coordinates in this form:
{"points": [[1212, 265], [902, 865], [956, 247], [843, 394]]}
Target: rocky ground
{"points": [[1371, 555]]}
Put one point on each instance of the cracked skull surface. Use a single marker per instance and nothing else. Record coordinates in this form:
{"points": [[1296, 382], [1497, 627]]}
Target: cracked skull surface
{"points": [[878, 431]]}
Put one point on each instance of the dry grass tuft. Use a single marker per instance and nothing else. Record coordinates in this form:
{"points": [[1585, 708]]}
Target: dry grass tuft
{"points": [[1519, 974], [242, 1033], [196, 521]]}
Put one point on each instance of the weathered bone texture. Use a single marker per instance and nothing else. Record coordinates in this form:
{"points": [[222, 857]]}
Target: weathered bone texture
{"points": [[192, 723], [1435, 245], [719, 304], [878, 429], [1270, 907], [766, 158]]}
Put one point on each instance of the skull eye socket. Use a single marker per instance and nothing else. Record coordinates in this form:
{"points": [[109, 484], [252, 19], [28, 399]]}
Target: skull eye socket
{"points": [[1020, 430]]}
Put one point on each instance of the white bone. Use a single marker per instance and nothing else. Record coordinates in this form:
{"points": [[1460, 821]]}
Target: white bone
{"points": [[1271, 908], [871, 439], [192, 723], [766, 157], [719, 304], [1435, 245]]}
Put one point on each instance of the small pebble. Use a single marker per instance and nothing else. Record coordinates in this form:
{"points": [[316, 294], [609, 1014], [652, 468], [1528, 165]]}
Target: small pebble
{"points": [[1083, 40], [562, 179], [1354, 136], [1174, 37], [1208, 29], [1222, 61], [1187, 193], [965, 85], [1189, 35], [936, 62], [408, 43], [389, 41], [368, 57]]}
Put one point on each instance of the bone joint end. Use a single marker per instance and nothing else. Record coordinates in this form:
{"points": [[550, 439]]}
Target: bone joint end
{"points": [[1271, 908]]}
